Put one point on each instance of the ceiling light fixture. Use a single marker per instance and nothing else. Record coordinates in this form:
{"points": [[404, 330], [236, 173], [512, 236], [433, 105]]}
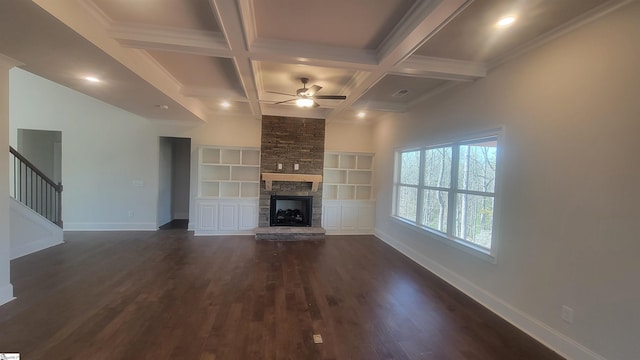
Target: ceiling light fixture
{"points": [[92, 79], [362, 114], [304, 102], [225, 104], [506, 21]]}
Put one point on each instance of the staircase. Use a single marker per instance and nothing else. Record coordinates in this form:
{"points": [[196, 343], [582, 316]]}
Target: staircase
{"points": [[36, 207]]}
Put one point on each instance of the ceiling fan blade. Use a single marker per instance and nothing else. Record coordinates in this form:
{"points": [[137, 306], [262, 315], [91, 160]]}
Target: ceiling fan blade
{"points": [[331, 97], [313, 90], [286, 101], [279, 93]]}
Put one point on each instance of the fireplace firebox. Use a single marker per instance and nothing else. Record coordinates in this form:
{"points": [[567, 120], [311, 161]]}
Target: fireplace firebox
{"points": [[289, 210]]}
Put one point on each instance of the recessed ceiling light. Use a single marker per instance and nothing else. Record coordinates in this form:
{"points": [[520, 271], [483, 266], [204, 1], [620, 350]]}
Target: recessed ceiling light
{"points": [[362, 114], [162, 107], [506, 21], [225, 104], [92, 79]]}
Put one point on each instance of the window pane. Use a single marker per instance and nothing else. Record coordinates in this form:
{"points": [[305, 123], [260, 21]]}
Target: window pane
{"points": [[407, 202], [474, 219], [477, 166], [435, 206], [437, 170], [410, 167]]}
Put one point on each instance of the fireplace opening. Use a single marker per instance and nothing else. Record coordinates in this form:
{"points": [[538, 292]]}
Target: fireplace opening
{"points": [[290, 210]]}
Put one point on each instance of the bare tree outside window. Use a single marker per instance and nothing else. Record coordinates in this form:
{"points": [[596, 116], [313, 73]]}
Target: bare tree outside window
{"points": [[450, 189]]}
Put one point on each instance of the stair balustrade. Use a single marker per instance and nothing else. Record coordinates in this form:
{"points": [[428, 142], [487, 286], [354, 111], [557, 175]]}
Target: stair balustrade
{"points": [[33, 188]]}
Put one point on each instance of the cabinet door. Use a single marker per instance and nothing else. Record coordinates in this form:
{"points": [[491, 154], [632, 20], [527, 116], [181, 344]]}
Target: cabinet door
{"points": [[228, 217], [248, 216], [349, 218], [208, 217], [331, 217], [366, 217]]}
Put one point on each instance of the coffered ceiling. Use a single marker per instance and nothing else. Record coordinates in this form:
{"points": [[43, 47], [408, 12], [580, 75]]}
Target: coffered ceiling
{"points": [[196, 55]]}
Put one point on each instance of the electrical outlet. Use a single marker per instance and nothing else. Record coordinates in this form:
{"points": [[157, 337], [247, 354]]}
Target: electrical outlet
{"points": [[130, 213], [279, 166], [567, 314], [296, 167], [317, 338]]}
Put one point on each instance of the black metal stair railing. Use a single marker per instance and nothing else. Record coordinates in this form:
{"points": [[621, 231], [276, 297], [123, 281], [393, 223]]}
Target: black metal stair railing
{"points": [[34, 189]]}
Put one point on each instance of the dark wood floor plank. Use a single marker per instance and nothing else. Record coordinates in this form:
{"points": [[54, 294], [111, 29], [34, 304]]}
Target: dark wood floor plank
{"points": [[170, 295]]}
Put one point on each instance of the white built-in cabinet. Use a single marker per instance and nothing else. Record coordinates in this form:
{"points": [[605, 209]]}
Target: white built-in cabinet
{"points": [[228, 190], [348, 206]]}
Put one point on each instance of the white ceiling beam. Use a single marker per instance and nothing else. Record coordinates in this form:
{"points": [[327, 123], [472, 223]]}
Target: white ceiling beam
{"points": [[75, 17], [228, 15], [212, 92], [423, 20], [439, 68], [291, 52], [149, 37], [293, 111]]}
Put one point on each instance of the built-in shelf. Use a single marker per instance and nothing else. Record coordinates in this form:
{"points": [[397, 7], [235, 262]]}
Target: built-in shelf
{"points": [[269, 178], [348, 176], [228, 172]]}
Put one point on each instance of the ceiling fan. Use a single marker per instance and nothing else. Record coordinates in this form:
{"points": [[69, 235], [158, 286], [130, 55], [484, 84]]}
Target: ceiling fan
{"points": [[306, 97]]}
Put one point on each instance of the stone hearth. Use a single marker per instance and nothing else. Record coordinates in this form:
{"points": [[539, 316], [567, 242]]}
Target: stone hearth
{"points": [[289, 233]]}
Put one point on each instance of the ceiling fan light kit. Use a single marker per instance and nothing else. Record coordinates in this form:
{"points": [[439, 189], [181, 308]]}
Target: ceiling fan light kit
{"points": [[306, 97], [305, 102]]}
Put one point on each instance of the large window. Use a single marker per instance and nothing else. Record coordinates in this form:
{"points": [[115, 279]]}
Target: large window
{"points": [[450, 190]]}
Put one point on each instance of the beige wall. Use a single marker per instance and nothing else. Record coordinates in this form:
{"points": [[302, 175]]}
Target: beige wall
{"points": [[106, 149], [349, 136], [569, 195]]}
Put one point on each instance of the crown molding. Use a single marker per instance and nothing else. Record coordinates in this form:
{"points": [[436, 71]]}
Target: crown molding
{"points": [[423, 20], [96, 12], [313, 54], [149, 37], [440, 68], [353, 83], [153, 62], [212, 92]]}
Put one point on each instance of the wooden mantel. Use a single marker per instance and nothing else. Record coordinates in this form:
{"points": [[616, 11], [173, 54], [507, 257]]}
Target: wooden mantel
{"points": [[269, 178]]}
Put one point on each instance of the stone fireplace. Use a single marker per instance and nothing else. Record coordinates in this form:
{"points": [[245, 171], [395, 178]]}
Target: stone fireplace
{"points": [[288, 210], [287, 142]]}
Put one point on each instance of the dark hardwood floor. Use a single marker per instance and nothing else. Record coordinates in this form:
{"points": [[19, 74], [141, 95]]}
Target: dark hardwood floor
{"points": [[169, 295]]}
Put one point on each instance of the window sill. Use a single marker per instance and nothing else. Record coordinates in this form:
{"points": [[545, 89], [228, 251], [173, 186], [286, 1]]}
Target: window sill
{"points": [[467, 247]]}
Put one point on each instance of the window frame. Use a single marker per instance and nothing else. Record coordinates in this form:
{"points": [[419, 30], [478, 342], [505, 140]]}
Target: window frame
{"points": [[452, 191]]}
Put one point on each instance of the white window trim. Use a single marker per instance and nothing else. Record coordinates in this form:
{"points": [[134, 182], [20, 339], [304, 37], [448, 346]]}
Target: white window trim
{"points": [[490, 255]]}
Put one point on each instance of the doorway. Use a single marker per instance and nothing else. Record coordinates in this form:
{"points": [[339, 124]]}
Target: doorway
{"points": [[43, 148], [174, 183]]}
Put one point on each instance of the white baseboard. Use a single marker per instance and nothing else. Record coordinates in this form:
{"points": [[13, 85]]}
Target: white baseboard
{"points": [[342, 232], [74, 226], [34, 246], [6, 294], [558, 342]]}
